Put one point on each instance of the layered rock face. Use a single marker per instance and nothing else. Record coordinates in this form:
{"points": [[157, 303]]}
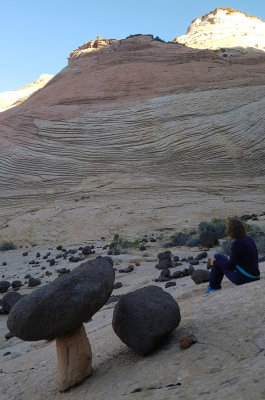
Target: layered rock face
{"points": [[225, 27], [136, 136], [15, 97]]}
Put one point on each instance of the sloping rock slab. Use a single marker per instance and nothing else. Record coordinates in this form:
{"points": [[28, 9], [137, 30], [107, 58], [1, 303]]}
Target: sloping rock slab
{"points": [[144, 318]]}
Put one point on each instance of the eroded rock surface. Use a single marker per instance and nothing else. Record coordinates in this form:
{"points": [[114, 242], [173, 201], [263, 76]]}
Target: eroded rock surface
{"points": [[136, 136]]}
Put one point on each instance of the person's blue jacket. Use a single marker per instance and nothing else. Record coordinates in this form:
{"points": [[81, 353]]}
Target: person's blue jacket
{"points": [[244, 254]]}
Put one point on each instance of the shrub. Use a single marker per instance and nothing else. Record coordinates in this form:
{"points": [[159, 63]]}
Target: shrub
{"points": [[193, 241], [159, 39], [208, 238], [180, 239], [7, 246], [119, 244], [226, 247], [218, 226]]}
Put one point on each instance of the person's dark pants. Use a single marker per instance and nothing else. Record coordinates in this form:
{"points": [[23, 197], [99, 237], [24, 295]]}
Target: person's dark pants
{"points": [[235, 276]]}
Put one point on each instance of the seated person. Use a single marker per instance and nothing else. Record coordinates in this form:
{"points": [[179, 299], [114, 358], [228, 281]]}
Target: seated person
{"points": [[242, 265]]}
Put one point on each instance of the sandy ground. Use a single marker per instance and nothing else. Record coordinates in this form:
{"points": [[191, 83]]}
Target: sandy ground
{"points": [[227, 362]]}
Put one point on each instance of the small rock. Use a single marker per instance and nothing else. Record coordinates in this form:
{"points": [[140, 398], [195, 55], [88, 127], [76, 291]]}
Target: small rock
{"points": [[168, 284], [117, 285], [4, 263], [32, 282], [200, 276], [8, 336], [52, 262], [130, 268], [59, 247], [27, 276], [176, 258], [176, 275], [142, 248], [25, 253], [4, 286], [16, 284], [86, 251], [37, 255], [7, 353], [193, 262], [187, 341], [202, 255]]}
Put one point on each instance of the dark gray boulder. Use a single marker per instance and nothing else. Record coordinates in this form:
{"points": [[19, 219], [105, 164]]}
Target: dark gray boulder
{"points": [[200, 276], [63, 305], [32, 282], [4, 286], [10, 299], [143, 319]]}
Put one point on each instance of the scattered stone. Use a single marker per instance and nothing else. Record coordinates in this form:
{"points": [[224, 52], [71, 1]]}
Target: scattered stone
{"points": [[142, 248], [4, 286], [62, 270], [32, 262], [4, 263], [130, 268], [183, 259], [16, 284], [144, 318], [43, 268], [7, 353], [116, 252], [9, 300], [27, 276], [193, 262], [187, 341], [59, 247], [191, 270], [25, 253], [200, 276], [32, 282], [110, 253], [59, 256], [137, 264], [9, 335], [201, 256], [190, 258], [74, 259], [176, 258], [86, 251], [168, 284], [37, 255], [164, 260], [52, 262], [117, 285], [48, 273], [72, 251], [176, 275]]}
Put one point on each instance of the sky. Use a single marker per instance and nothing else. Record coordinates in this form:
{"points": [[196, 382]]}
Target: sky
{"points": [[37, 36]]}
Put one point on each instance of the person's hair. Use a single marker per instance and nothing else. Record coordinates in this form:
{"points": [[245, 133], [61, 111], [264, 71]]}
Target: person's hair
{"points": [[235, 228]]}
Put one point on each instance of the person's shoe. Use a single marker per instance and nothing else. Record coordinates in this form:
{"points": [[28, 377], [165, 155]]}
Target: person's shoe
{"points": [[210, 290]]}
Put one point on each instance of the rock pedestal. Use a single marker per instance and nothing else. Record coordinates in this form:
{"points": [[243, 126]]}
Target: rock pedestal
{"points": [[74, 358]]}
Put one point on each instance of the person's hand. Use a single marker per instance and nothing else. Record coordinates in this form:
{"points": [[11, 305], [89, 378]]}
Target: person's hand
{"points": [[212, 261]]}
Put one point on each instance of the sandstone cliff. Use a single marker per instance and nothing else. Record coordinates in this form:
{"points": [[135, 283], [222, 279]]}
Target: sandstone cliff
{"points": [[225, 27], [136, 136], [15, 97]]}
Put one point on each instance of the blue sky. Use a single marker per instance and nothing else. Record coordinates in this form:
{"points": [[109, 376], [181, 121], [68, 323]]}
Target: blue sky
{"points": [[37, 36]]}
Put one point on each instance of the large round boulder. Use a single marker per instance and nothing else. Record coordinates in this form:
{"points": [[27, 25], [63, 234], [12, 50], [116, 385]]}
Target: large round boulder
{"points": [[63, 305], [144, 318]]}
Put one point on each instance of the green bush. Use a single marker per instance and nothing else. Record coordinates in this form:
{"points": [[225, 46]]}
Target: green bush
{"points": [[193, 241], [119, 244], [7, 246], [218, 226], [260, 243]]}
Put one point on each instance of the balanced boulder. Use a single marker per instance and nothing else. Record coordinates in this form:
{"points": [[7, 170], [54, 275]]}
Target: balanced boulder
{"points": [[143, 319], [58, 310]]}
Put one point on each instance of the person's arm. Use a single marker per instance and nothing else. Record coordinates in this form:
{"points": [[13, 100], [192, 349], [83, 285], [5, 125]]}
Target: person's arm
{"points": [[225, 262]]}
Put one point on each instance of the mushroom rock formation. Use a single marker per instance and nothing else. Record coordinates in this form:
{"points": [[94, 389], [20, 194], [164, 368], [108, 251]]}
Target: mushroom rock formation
{"points": [[144, 318], [59, 309]]}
